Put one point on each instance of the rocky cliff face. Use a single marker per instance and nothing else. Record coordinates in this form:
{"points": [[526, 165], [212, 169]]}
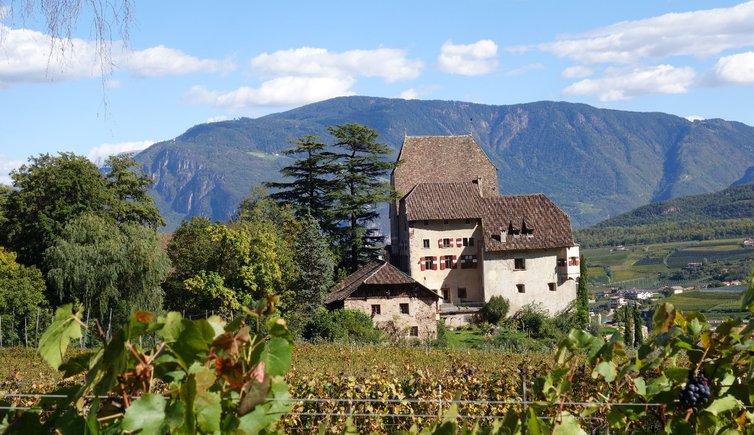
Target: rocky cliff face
{"points": [[594, 163]]}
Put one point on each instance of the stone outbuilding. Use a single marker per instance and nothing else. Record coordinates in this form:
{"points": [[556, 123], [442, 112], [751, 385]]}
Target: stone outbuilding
{"points": [[397, 303]]}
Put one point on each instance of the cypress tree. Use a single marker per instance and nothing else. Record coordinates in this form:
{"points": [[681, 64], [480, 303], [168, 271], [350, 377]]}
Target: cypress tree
{"points": [[315, 267], [628, 326], [582, 295], [638, 330]]}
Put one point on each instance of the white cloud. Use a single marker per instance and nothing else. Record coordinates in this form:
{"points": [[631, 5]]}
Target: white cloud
{"points": [[409, 94], [623, 84], [700, 33], [163, 61], [6, 166], [281, 91], [735, 69], [693, 118], [29, 56], [577, 72], [389, 64], [100, 153], [220, 118], [474, 59], [525, 69]]}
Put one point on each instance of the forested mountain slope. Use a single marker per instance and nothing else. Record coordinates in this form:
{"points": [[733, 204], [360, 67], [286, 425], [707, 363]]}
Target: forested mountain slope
{"points": [[594, 163]]}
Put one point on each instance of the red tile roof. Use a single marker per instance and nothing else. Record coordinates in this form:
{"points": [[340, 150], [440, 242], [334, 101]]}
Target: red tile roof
{"points": [[550, 227], [443, 159], [373, 273]]}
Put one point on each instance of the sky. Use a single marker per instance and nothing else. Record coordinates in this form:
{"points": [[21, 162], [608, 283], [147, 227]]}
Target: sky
{"points": [[187, 63]]}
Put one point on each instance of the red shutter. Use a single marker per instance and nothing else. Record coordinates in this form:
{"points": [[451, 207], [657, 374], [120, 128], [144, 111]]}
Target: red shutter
{"points": [[459, 242], [442, 263], [451, 243], [421, 262], [455, 262], [439, 243], [434, 263]]}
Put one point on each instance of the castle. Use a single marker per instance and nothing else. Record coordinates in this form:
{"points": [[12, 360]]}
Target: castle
{"points": [[454, 234]]}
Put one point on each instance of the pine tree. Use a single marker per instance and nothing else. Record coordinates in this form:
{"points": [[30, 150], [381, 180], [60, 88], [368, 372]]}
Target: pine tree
{"points": [[361, 180], [582, 296], [311, 184]]}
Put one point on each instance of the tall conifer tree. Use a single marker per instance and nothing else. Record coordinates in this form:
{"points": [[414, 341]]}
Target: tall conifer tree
{"points": [[310, 184], [362, 169], [582, 295]]}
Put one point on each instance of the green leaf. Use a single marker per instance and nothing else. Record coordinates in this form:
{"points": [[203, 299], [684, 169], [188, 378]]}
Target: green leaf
{"points": [[606, 369], [77, 364], [532, 424], [641, 386], [723, 404], [70, 423], [664, 317], [64, 328], [277, 356], [569, 425], [207, 404], [146, 414]]}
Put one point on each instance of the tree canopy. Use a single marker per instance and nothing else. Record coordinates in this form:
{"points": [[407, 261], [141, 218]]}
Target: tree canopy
{"points": [[51, 190]]}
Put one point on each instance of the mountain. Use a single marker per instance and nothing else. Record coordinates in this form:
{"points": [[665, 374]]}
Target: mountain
{"points": [[735, 202], [594, 163]]}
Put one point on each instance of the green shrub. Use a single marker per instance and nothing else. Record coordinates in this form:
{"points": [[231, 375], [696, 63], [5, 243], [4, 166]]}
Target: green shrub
{"points": [[495, 310], [344, 325]]}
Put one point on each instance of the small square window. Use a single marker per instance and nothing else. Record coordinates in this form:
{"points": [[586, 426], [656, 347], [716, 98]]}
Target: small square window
{"points": [[376, 310], [551, 286], [521, 288], [404, 308], [445, 221], [468, 221], [468, 241], [426, 243], [414, 331], [461, 293], [519, 264]]}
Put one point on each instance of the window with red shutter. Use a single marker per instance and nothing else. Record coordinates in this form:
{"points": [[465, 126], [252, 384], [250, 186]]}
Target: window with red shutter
{"points": [[455, 262], [439, 243], [434, 263], [459, 242], [421, 264]]}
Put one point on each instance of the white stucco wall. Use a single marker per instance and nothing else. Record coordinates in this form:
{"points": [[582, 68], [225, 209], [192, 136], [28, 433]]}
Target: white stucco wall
{"points": [[451, 279], [541, 269]]}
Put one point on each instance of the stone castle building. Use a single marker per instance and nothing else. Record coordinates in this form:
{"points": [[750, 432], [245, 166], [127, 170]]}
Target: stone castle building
{"points": [[454, 233]]}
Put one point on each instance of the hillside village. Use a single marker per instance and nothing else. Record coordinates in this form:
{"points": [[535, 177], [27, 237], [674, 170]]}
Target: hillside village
{"points": [[456, 242]]}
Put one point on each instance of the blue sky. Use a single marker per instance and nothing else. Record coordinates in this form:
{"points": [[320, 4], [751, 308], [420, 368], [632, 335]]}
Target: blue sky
{"points": [[188, 63]]}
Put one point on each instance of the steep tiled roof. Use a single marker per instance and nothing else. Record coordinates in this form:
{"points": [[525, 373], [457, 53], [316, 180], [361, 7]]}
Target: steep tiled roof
{"points": [[550, 227], [373, 273], [443, 159], [433, 201]]}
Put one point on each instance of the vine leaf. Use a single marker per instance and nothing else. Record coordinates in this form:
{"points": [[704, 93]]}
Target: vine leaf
{"points": [[277, 356], [723, 404], [147, 414], [65, 327]]}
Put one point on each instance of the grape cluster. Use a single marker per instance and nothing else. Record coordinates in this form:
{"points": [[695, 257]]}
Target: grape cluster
{"points": [[696, 392]]}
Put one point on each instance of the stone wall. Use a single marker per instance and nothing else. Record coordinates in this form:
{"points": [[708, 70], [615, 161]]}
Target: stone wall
{"points": [[422, 314]]}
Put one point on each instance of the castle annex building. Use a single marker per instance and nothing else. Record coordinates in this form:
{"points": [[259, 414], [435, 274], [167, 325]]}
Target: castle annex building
{"points": [[453, 232]]}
